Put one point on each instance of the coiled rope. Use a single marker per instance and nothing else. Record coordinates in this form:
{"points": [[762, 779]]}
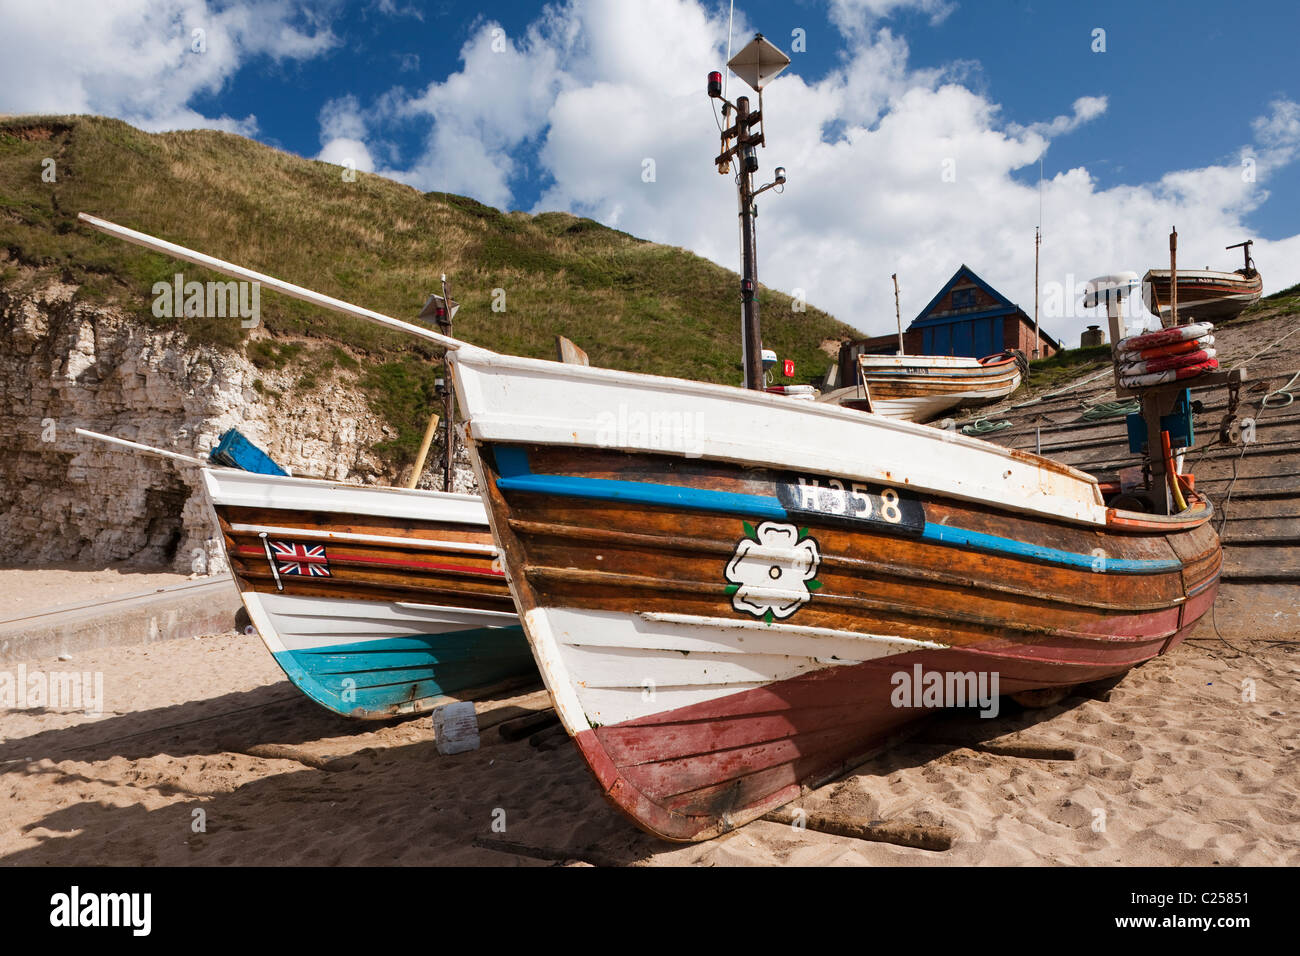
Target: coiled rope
{"points": [[1285, 391], [1112, 409], [982, 426]]}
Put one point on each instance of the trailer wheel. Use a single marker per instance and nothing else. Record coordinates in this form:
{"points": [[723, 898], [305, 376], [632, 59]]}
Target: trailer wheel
{"points": [[244, 623]]}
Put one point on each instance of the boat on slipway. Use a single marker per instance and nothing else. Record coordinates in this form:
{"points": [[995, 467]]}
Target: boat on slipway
{"points": [[919, 388], [1204, 295]]}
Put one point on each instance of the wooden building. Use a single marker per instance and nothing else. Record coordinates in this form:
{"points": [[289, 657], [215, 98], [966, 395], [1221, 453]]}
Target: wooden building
{"points": [[968, 317]]}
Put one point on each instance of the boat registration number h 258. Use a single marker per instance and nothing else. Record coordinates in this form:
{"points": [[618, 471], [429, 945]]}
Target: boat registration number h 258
{"points": [[852, 502]]}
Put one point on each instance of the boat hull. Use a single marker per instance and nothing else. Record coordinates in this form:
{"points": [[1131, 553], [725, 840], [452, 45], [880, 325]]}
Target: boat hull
{"points": [[919, 388], [701, 689], [1203, 295], [374, 602]]}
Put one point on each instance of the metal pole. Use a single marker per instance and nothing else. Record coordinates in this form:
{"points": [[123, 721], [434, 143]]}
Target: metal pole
{"points": [[898, 316], [751, 336], [1038, 238]]}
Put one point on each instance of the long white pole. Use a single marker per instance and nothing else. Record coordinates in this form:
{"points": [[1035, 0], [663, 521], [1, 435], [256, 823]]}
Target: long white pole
{"points": [[147, 449], [279, 285]]}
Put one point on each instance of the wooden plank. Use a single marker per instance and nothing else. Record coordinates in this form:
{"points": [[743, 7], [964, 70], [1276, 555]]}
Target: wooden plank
{"points": [[569, 353], [521, 727], [934, 838], [1262, 563], [1242, 508], [1262, 531]]}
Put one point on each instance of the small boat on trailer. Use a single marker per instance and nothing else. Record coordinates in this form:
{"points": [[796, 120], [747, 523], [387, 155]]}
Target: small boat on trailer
{"points": [[1203, 294], [376, 602], [919, 388]]}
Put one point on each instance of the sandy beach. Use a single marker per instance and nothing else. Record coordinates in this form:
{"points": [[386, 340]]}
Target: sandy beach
{"points": [[205, 754]]}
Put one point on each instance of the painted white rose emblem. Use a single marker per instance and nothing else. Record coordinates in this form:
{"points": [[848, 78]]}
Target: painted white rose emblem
{"points": [[773, 572]]}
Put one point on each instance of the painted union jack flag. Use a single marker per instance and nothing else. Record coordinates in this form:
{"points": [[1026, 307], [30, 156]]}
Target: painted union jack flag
{"points": [[306, 559]]}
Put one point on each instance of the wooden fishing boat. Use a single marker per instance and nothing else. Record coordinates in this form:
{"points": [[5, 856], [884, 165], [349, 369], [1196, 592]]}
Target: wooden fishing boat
{"points": [[919, 388], [725, 604], [1203, 294], [375, 601], [723, 623]]}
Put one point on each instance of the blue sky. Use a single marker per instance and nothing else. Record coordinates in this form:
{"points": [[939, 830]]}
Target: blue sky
{"points": [[1147, 134], [1031, 57]]}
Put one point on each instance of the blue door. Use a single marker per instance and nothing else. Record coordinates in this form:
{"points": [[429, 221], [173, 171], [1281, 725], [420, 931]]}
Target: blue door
{"points": [[963, 339]]}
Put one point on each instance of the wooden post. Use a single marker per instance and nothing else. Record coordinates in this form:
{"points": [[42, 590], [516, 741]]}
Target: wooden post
{"points": [[424, 451], [898, 316], [1173, 277], [1116, 332]]}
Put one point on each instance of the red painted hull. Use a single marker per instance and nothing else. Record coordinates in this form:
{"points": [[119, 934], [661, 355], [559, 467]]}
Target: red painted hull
{"points": [[687, 774]]}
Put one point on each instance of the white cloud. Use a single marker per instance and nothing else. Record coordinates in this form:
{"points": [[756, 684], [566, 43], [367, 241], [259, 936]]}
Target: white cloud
{"points": [[603, 87], [141, 60], [481, 114], [582, 99], [856, 17], [1085, 109]]}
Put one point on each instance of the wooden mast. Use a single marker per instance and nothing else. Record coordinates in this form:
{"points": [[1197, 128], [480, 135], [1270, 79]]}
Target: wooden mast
{"points": [[1173, 277], [898, 316]]}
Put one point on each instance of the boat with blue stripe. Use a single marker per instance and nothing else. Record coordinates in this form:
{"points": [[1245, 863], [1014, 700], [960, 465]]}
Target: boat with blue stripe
{"points": [[376, 602]]}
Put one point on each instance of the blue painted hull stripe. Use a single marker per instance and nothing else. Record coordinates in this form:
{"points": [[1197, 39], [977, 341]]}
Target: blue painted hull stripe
{"points": [[372, 677], [512, 464]]}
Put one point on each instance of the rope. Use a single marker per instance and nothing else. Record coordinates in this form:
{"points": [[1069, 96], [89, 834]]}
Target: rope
{"points": [[1223, 521], [1112, 409], [1284, 391], [1268, 347], [1091, 378], [982, 426]]}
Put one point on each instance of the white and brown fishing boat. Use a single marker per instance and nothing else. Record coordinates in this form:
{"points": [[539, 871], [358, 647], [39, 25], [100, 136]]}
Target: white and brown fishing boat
{"points": [[722, 626], [725, 620], [374, 601], [1204, 295], [724, 613], [919, 388]]}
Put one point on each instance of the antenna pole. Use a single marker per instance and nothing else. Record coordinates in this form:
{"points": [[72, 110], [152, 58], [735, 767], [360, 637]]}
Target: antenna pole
{"points": [[1038, 239], [740, 142], [898, 316], [449, 396], [731, 19], [751, 335]]}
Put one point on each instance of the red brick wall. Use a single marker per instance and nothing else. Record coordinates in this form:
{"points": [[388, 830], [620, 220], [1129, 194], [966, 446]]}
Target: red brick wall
{"points": [[1019, 334]]}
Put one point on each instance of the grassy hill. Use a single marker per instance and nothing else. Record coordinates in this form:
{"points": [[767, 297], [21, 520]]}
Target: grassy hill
{"points": [[631, 304]]}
